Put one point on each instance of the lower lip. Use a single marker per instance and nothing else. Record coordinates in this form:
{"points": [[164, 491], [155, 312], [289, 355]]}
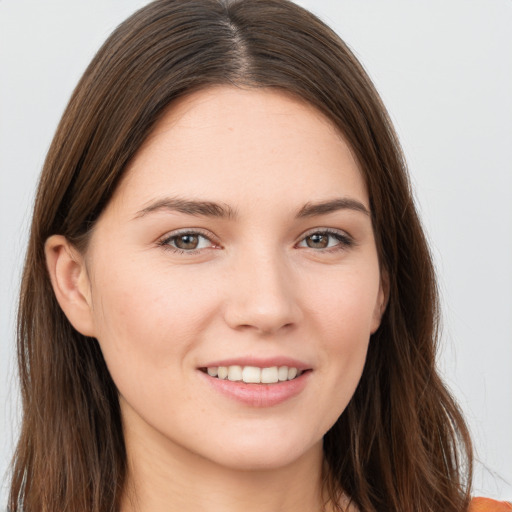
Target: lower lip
{"points": [[259, 395]]}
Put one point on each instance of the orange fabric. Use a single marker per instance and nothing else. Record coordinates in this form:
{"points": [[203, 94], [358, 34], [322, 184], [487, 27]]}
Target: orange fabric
{"points": [[487, 505]]}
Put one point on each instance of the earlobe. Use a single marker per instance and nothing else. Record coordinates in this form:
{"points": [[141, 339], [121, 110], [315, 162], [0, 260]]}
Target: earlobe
{"points": [[70, 283]]}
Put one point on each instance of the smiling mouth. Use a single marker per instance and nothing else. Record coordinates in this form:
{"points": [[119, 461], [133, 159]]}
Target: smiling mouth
{"points": [[254, 374]]}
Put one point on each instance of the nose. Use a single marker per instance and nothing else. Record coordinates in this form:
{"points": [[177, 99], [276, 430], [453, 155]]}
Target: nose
{"points": [[262, 295]]}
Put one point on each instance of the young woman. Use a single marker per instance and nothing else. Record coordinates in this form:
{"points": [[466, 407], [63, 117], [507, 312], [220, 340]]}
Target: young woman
{"points": [[228, 301]]}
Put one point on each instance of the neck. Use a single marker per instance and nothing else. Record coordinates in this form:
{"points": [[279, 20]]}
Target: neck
{"points": [[167, 478]]}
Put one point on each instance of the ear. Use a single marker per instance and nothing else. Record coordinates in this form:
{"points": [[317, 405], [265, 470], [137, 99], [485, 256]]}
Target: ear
{"points": [[382, 300], [70, 283]]}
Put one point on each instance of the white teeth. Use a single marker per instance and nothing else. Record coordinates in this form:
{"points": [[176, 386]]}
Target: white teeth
{"points": [[253, 374], [269, 375], [234, 373]]}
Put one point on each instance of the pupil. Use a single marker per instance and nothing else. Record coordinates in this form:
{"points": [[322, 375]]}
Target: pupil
{"points": [[318, 241], [187, 241]]}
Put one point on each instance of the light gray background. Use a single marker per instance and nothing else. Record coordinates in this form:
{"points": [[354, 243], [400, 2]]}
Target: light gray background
{"points": [[444, 70]]}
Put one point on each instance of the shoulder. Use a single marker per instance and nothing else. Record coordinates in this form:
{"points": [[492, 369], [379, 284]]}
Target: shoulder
{"points": [[488, 505]]}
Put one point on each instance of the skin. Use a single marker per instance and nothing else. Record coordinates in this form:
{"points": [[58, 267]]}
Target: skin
{"points": [[258, 284]]}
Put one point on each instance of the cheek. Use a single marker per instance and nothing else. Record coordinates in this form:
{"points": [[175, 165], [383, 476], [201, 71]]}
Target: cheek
{"points": [[344, 315], [148, 320], [344, 306]]}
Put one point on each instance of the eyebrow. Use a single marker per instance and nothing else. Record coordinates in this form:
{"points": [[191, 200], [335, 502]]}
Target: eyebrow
{"points": [[189, 207], [220, 210], [333, 205]]}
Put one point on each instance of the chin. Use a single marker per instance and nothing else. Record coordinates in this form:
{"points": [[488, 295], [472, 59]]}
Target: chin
{"points": [[259, 453]]}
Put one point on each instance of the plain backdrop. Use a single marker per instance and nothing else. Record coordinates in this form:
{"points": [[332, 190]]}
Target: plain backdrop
{"points": [[444, 70]]}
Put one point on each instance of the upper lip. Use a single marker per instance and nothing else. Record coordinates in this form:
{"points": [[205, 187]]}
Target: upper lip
{"points": [[259, 362]]}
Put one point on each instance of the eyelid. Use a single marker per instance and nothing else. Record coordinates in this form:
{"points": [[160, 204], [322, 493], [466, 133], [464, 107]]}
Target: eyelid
{"points": [[164, 240], [344, 238]]}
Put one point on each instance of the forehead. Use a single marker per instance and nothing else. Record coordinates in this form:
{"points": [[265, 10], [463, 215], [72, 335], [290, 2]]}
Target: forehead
{"points": [[241, 146]]}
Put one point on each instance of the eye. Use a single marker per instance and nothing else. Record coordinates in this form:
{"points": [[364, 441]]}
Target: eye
{"points": [[187, 241], [326, 239]]}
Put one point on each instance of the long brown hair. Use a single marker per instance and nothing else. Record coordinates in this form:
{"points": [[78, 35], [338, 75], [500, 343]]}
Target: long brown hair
{"points": [[401, 444]]}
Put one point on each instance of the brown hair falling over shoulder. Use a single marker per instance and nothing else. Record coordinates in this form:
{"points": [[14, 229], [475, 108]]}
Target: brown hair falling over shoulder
{"points": [[401, 444]]}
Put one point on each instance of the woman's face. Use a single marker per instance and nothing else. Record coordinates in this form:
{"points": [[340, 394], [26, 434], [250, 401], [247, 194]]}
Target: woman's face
{"points": [[239, 242]]}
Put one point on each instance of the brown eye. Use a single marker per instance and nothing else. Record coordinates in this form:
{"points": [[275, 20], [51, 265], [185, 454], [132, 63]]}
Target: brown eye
{"points": [[329, 240], [186, 242], [318, 241]]}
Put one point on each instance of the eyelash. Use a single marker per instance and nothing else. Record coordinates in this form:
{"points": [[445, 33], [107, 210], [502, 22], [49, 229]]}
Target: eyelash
{"points": [[344, 241], [165, 243]]}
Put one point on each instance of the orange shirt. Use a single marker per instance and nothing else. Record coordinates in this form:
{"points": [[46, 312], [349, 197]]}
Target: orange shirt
{"points": [[487, 505]]}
